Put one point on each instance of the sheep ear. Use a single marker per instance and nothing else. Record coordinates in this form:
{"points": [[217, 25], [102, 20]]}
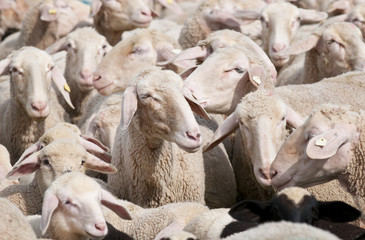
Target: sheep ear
{"points": [[4, 65], [58, 46], [49, 13], [186, 73], [108, 200], [228, 126], [293, 118], [247, 15], [326, 144], [94, 163], [95, 7], [172, 5], [50, 203], [301, 46], [250, 211], [223, 17], [194, 105], [129, 106], [185, 58], [337, 211], [170, 229], [340, 7], [29, 151], [92, 125], [256, 74], [96, 148], [62, 85], [312, 16], [25, 167]]}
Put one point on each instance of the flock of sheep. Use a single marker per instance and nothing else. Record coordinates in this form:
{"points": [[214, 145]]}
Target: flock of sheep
{"points": [[182, 119]]}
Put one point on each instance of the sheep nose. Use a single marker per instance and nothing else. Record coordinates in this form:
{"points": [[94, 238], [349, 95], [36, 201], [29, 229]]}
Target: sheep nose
{"points": [[39, 106], [194, 135], [97, 77], [278, 47], [101, 226], [86, 74], [265, 174], [273, 173], [146, 13], [67, 170]]}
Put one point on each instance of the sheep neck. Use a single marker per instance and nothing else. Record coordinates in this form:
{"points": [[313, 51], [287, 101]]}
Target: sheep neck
{"points": [[311, 73], [354, 173], [23, 130]]}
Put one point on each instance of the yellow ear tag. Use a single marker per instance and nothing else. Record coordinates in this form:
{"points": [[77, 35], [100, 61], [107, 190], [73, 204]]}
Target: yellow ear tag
{"points": [[52, 11], [256, 79], [67, 87], [321, 142], [170, 1]]}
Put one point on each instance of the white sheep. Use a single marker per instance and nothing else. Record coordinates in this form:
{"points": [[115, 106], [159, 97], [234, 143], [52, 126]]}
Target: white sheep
{"points": [[45, 23], [51, 161], [14, 224], [85, 50], [330, 144], [140, 49], [112, 18], [123, 217], [213, 15], [284, 231], [278, 29], [33, 106], [264, 116], [158, 154], [332, 49]]}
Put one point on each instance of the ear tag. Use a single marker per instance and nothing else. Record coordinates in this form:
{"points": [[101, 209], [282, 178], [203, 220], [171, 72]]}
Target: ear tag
{"points": [[52, 11], [257, 79], [170, 1], [67, 87], [321, 142]]}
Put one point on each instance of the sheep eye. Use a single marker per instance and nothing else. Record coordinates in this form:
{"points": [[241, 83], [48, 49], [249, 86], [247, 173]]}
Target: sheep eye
{"points": [[239, 70], [144, 96], [46, 162], [299, 19], [68, 45], [331, 41], [82, 162], [13, 70], [283, 118]]}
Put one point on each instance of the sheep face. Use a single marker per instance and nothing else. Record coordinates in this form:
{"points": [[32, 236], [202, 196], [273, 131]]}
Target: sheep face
{"points": [[226, 72], [85, 50], [279, 29], [357, 17], [340, 49], [30, 74], [263, 130], [318, 151], [127, 59], [163, 113]]}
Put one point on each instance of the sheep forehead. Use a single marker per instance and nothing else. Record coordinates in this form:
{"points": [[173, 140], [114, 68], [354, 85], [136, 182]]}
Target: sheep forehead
{"points": [[60, 133], [276, 10], [296, 194], [86, 34], [259, 103], [74, 183], [30, 57], [158, 80], [345, 30], [63, 149]]}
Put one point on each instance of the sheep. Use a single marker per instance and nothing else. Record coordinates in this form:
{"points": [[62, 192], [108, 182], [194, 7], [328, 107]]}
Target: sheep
{"points": [[213, 15], [329, 143], [278, 30], [33, 106], [14, 225], [125, 218], [142, 48], [102, 117], [5, 167], [263, 116], [112, 18], [43, 25], [220, 39], [11, 16], [291, 204], [284, 231], [53, 160], [356, 16], [72, 209], [85, 50], [332, 7], [166, 149], [333, 48]]}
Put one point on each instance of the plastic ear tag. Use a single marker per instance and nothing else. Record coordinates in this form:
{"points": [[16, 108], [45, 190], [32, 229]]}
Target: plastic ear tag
{"points": [[67, 87], [256, 79], [52, 11], [170, 1], [321, 142]]}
